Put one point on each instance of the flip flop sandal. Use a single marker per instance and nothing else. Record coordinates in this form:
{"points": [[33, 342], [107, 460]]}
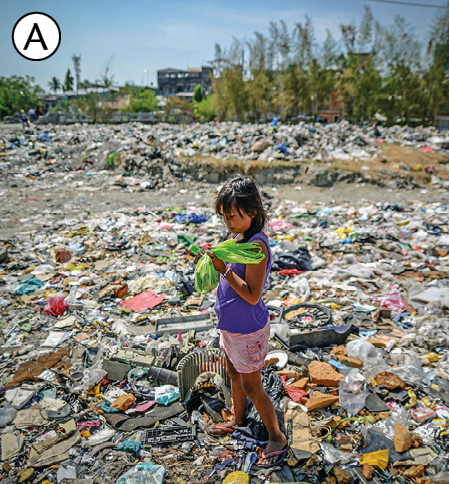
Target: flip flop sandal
{"points": [[226, 430], [282, 453], [126, 424]]}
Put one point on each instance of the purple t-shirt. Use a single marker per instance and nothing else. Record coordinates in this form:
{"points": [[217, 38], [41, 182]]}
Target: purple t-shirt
{"points": [[234, 313]]}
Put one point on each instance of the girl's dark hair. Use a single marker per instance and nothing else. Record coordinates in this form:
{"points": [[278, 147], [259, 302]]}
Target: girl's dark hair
{"points": [[242, 194]]}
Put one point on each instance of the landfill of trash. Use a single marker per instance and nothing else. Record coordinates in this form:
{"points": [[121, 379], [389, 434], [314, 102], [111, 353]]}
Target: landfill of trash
{"points": [[100, 144], [111, 369]]}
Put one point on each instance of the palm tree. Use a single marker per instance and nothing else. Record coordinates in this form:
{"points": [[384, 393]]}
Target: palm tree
{"points": [[55, 84]]}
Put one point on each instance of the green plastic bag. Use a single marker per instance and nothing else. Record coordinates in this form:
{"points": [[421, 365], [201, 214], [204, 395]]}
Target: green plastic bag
{"points": [[206, 277], [230, 251]]}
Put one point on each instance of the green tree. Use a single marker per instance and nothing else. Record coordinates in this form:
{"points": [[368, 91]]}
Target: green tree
{"points": [[54, 84], [17, 93], [198, 94], [204, 110], [231, 99], [259, 94], [68, 82], [143, 101], [90, 105]]}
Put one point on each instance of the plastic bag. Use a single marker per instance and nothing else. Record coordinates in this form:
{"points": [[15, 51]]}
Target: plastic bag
{"points": [[441, 478], [387, 425], [67, 470], [393, 301], [7, 415], [412, 372], [56, 306], [92, 376], [130, 446], [230, 251], [166, 394], [352, 395], [206, 277], [373, 363], [143, 473]]}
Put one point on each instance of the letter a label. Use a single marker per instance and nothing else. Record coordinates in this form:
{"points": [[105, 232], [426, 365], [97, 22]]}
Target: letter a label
{"points": [[36, 36]]}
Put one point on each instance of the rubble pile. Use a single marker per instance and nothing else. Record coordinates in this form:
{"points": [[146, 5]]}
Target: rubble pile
{"points": [[111, 369]]}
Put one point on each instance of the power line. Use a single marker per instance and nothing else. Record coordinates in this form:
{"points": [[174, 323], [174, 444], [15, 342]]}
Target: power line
{"points": [[408, 3]]}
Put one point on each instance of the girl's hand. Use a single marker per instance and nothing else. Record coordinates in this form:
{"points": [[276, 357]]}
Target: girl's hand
{"points": [[219, 265]]}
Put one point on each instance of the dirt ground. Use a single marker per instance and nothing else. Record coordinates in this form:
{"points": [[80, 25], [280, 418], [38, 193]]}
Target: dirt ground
{"points": [[22, 213], [398, 160]]}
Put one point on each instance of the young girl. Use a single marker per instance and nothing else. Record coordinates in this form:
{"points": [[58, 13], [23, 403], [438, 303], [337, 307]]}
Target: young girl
{"points": [[243, 316]]}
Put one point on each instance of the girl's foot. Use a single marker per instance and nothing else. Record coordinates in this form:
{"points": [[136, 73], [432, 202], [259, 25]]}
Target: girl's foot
{"points": [[274, 445], [218, 429]]}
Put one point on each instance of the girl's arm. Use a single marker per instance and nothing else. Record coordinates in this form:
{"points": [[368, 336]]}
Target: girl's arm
{"points": [[250, 288]]}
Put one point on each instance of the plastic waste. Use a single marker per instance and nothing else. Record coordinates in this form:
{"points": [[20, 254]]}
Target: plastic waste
{"points": [[7, 415], [398, 414], [412, 372], [393, 301], [101, 436], [143, 473], [28, 286], [352, 394], [206, 277], [166, 394], [130, 446], [92, 376], [56, 306], [231, 251], [441, 478], [67, 470]]}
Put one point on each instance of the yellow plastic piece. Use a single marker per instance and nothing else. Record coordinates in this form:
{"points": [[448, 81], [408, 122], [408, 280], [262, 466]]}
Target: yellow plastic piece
{"points": [[378, 459], [237, 477]]}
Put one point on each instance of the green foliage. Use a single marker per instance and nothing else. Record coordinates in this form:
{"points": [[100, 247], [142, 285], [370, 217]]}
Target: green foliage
{"points": [[142, 102], [90, 104], [54, 84], [204, 110], [198, 94], [18, 93], [68, 82], [375, 69]]}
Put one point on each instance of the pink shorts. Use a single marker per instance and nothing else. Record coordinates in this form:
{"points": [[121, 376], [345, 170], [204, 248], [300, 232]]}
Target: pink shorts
{"points": [[247, 352]]}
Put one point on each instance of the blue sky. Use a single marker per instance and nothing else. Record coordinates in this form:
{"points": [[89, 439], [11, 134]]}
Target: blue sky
{"points": [[145, 34]]}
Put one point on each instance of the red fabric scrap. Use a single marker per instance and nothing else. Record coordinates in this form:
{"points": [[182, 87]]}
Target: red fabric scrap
{"points": [[289, 272]]}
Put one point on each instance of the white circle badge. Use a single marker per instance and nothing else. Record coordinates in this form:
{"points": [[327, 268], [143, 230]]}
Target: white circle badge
{"points": [[36, 36]]}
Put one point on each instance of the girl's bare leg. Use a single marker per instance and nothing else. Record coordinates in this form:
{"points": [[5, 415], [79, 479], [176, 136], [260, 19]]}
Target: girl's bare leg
{"points": [[253, 388], [238, 399]]}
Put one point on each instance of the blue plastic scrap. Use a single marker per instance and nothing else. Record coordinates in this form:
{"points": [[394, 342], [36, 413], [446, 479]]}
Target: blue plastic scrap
{"points": [[29, 286], [183, 218]]}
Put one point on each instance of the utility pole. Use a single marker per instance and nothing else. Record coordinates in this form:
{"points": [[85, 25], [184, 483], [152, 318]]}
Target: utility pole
{"points": [[77, 66]]}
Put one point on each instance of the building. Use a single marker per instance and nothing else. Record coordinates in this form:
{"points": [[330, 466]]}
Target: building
{"points": [[181, 83], [57, 100]]}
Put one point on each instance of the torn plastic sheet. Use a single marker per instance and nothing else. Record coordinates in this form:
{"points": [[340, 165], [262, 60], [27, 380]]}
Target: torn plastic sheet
{"points": [[398, 414], [143, 473], [412, 372], [67, 470], [55, 338], [144, 301], [92, 376], [352, 394], [427, 433]]}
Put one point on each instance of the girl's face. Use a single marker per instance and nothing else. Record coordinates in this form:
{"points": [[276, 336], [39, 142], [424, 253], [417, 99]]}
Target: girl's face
{"points": [[237, 223]]}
